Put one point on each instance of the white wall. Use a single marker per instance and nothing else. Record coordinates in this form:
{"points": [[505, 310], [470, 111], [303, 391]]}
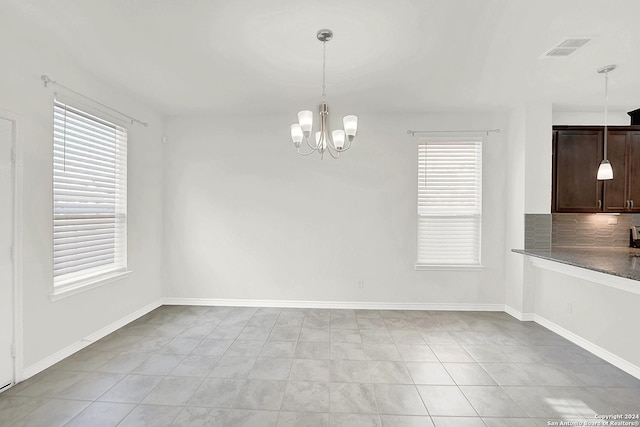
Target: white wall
{"points": [[51, 326], [247, 218], [605, 316], [514, 199]]}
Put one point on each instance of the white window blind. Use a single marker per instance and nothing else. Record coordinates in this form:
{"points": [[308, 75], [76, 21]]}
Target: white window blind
{"points": [[449, 201], [89, 196]]}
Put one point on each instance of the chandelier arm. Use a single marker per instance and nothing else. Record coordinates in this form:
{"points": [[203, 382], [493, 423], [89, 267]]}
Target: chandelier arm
{"points": [[310, 146], [335, 156], [305, 154]]}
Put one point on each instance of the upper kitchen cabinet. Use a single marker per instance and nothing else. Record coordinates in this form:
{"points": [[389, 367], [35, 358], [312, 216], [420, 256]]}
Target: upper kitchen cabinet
{"points": [[576, 156], [577, 153], [622, 193]]}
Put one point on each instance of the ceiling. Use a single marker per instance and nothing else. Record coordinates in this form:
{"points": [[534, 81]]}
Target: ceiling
{"points": [[248, 56]]}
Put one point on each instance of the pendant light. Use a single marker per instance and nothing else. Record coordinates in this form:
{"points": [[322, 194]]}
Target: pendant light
{"points": [[605, 172]]}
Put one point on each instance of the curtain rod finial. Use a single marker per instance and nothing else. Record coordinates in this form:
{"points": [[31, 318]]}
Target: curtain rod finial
{"points": [[45, 79]]}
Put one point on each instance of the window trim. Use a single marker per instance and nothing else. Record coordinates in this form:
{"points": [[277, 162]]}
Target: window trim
{"points": [[422, 266]]}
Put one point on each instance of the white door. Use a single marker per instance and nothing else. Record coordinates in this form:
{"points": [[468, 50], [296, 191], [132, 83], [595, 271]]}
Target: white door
{"points": [[6, 259]]}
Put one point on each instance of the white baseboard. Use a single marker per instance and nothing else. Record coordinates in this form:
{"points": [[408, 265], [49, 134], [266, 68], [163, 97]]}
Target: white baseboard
{"points": [[333, 304], [606, 355], [524, 317], [79, 345]]}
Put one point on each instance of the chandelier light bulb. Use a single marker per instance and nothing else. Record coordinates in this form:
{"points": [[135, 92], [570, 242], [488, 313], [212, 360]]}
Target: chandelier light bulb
{"points": [[305, 118], [338, 138], [350, 126], [296, 134]]}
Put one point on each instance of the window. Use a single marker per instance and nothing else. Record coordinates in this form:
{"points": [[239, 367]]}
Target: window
{"points": [[89, 198], [449, 202]]}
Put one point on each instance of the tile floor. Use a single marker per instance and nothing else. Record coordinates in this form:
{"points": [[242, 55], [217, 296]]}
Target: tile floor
{"points": [[225, 366]]}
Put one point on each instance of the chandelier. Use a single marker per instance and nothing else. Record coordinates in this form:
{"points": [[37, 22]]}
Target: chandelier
{"points": [[301, 131]]}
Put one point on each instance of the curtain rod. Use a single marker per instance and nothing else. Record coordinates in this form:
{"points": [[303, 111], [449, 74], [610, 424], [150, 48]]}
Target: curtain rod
{"points": [[46, 80], [487, 131]]}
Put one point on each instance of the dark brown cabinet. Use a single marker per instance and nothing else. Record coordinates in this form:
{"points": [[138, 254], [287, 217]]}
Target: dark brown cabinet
{"points": [[622, 193], [577, 153]]}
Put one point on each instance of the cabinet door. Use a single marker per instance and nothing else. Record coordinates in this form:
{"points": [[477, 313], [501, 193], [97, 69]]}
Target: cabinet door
{"points": [[615, 190], [633, 177], [577, 157]]}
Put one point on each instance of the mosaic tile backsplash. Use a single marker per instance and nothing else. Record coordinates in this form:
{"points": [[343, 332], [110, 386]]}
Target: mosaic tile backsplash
{"points": [[537, 231], [591, 230]]}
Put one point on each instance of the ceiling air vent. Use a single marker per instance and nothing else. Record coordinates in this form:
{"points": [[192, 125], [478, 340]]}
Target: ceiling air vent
{"points": [[566, 47]]}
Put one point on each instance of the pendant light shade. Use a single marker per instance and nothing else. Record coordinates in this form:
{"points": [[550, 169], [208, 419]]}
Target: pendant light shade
{"points": [[605, 172]]}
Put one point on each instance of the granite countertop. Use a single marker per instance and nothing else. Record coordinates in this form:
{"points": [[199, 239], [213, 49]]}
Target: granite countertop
{"points": [[622, 262]]}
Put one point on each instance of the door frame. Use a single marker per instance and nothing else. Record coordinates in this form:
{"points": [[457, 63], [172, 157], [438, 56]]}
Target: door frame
{"points": [[18, 349]]}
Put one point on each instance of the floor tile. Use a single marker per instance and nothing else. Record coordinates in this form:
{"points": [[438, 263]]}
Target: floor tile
{"points": [[389, 373], [310, 370], [492, 401], [347, 351], [254, 333], [123, 363], [346, 335], [200, 417], [312, 350], [247, 366], [306, 397], [180, 345], [13, 408], [251, 418], [429, 373], [446, 401], [458, 422], [308, 334], [53, 413], [150, 416], [354, 420], [349, 371], [233, 367], [101, 414], [398, 399], [217, 393], [302, 419], [405, 421], [468, 374], [381, 352], [159, 364], [244, 349], [173, 391], [451, 353], [195, 366], [279, 349], [212, 347], [352, 398], [131, 389], [416, 353], [91, 386], [259, 394], [270, 369]]}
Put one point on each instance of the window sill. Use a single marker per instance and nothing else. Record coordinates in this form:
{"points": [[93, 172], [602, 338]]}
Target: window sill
{"points": [[461, 267], [83, 285]]}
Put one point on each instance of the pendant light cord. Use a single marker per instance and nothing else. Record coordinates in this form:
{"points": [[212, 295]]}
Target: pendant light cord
{"points": [[606, 110]]}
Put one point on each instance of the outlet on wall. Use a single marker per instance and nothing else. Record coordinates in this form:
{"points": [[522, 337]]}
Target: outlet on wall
{"points": [[569, 307]]}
